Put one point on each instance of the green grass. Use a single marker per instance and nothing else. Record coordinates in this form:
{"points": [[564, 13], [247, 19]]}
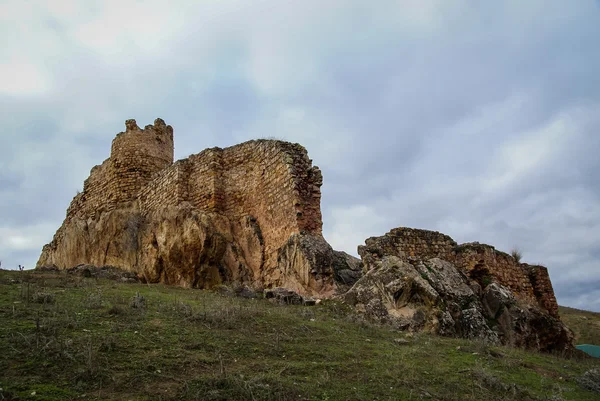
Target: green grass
{"points": [[585, 325], [85, 341]]}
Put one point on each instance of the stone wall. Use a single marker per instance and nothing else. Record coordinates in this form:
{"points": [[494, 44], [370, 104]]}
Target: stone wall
{"points": [[542, 287], [273, 182], [269, 180], [484, 262], [169, 187], [481, 262], [409, 242], [204, 180]]}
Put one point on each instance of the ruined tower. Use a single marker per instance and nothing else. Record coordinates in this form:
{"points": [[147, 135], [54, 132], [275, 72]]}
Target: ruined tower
{"points": [[136, 155]]}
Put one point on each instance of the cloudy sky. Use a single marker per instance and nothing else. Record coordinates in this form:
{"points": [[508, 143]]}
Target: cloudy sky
{"points": [[479, 119]]}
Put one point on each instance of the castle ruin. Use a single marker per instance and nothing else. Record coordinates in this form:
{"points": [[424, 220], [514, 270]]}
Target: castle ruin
{"points": [[271, 185]]}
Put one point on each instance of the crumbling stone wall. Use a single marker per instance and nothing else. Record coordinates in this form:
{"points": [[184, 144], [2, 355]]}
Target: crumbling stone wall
{"points": [[409, 242], [542, 287], [485, 263], [481, 262], [273, 182]]}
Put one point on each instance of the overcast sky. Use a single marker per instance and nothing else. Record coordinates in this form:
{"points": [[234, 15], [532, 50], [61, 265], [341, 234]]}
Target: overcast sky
{"points": [[479, 119]]}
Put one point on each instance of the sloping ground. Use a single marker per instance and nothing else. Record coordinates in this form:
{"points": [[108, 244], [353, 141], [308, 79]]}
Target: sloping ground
{"points": [[68, 337], [585, 324]]}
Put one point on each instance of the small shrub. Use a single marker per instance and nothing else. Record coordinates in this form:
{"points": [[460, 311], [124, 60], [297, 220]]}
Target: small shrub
{"points": [[486, 280], [516, 254], [138, 302], [590, 380], [43, 298], [95, 300], [116, 310]]}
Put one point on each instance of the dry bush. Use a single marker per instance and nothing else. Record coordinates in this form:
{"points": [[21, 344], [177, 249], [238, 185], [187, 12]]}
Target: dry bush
{"points": [[43, 298], [590, 380], [517, 254], [138, 301]]}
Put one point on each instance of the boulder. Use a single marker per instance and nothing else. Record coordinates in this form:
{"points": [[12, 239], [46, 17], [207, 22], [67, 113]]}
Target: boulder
{"points": [[495, 299], [346, 269], [284, 296]]}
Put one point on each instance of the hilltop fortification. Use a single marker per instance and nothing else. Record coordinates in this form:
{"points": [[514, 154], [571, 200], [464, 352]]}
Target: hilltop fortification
{"points": [[219, 215]]}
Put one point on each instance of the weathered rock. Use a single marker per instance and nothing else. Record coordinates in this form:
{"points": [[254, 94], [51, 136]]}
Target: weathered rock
{"points": [[415, 298], [449, 282], [305, 264], [496, 298], [309, 301], [532, 327], [246, 292], [106, 272], [472, 325], [434, 295], [284, 296], [346, 268], [590, 380]]}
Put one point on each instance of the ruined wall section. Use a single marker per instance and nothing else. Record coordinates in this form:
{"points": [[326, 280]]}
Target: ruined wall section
{"points": [[205, 180], [136, 156], [274, 182], [307, 182], [95, 190], [542, 287], [485, 263], [169, 187], [409, 242]]}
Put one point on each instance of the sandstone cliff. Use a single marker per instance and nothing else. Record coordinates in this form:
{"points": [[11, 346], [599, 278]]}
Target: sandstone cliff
{"points": [[249, 213]]}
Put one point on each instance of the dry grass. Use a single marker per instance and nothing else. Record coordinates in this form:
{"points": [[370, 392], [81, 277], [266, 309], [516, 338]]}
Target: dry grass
{"points": [[585, 324], [181, 344], [517, 254]]}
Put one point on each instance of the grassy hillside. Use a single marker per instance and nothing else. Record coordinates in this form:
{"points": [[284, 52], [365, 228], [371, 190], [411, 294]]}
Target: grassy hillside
{"points": [[585, 325], [64, 337]]}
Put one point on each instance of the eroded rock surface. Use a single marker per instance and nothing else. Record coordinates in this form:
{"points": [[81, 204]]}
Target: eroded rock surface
{"points": [[411, 291]]}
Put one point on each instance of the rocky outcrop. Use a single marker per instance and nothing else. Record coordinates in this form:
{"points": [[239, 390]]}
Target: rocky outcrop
{"points": [[482, 263], [183, 246], [417, 293]]}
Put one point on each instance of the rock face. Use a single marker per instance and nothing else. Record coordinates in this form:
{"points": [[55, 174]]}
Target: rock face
{"points": [[420, 280], [249, 214]]}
